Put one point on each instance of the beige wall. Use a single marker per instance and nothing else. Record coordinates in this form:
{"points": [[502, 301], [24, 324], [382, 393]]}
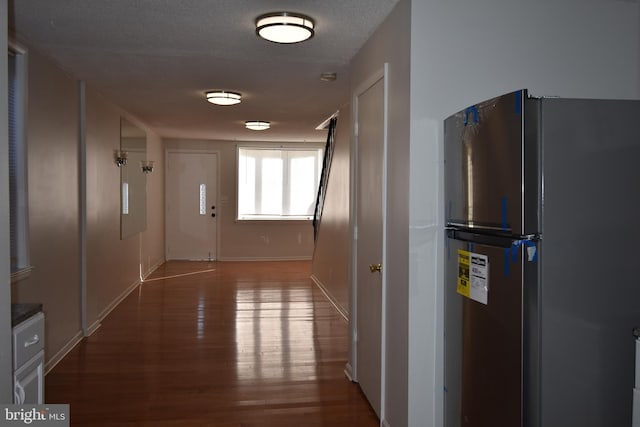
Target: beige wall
{"points": [[248, 240], [332, 255], [153, 237], [55, 214], [114, 265], [390, 44], [53, 182]]}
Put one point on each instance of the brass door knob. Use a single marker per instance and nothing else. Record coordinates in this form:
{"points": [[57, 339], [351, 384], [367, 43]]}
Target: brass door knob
{"points": [[375, 267]]}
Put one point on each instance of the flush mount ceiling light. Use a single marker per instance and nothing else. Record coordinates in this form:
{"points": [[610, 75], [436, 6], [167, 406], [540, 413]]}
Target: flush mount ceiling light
{"points": [[223, 97], [284, 27], [257, 125], [328, 77]]}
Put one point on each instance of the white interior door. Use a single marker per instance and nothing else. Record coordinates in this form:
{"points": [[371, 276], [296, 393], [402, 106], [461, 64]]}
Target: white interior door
{"points": [[191, 218], [369, 244]]}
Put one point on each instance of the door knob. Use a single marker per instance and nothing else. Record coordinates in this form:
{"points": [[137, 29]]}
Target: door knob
{"points": [[375, 267]]}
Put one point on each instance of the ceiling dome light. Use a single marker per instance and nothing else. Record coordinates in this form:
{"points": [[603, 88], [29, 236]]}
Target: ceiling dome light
{"points": [[328, 77], [284, 27], [257, 125], [223, 97]]}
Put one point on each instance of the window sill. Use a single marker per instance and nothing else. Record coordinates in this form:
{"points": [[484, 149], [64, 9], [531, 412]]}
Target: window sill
{"points": [[21, 274], [274, 219]]}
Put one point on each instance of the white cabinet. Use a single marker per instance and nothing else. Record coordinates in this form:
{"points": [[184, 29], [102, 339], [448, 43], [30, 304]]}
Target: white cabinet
{"points": [[28, 361]]}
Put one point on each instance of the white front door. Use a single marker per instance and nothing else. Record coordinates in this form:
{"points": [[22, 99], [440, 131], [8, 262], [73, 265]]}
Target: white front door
{"points": [[369, 254], [191, 217]]}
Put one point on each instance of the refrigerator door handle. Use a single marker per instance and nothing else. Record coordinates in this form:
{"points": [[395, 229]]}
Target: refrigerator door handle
{"points": [[472, 226], [489, 239]]}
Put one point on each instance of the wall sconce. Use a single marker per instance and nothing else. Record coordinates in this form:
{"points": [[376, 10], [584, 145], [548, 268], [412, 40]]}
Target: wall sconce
{"points": [[147, 166], [121, 158]]}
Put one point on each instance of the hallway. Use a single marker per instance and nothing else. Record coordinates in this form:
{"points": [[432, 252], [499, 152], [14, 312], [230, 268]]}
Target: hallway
{"points": [[225, 344]]}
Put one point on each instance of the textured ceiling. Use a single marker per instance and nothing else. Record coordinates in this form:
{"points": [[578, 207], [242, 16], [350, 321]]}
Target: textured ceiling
{"points": [[156, 58]]}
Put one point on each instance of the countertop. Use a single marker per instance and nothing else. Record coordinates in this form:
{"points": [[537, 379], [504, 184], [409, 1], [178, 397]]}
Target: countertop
{"points": [[21, 312]]}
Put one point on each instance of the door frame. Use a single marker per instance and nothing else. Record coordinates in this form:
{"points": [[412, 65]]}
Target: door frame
{"points": [[351, 370], [168, 151]]}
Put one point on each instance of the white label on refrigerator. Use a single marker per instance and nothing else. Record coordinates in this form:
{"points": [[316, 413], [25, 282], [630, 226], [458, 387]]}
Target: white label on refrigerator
{"points": [[473, 276], [479, 277], [479, 273]]}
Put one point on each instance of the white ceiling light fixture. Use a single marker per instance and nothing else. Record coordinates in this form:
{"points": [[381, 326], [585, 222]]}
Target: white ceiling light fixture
{"points": [[328, 77], [223, 97], [257, 125], [285, 27]]}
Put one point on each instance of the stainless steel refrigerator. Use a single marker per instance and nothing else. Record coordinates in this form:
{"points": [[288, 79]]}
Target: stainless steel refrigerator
{"points": [[542, 279]]}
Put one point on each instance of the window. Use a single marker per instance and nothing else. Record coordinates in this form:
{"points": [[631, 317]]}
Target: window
{"points": [[203, 199], [278, 183], [18, 195], [125, 198]]}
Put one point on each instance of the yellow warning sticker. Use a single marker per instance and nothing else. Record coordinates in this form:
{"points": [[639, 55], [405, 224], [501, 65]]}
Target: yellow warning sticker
{"points": [[463, 273], [473, 276]]}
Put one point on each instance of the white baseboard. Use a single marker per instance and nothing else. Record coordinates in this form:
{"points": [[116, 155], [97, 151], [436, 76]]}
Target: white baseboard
{"points": [[93, 327], [108, 309], [348, 372], [96, 324], [154, 268], [53, 361], [344, 313]]}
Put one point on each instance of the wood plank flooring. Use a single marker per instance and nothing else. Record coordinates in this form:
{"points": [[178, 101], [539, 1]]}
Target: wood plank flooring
{"points": [[224, 344]]}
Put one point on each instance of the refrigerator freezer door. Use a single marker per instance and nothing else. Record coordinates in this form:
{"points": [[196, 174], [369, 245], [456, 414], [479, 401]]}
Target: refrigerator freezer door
{"points": [[483, 343], [485, 165]]}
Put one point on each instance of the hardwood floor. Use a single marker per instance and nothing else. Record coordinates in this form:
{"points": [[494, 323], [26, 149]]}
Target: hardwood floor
{"points": [[225, 344]]}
